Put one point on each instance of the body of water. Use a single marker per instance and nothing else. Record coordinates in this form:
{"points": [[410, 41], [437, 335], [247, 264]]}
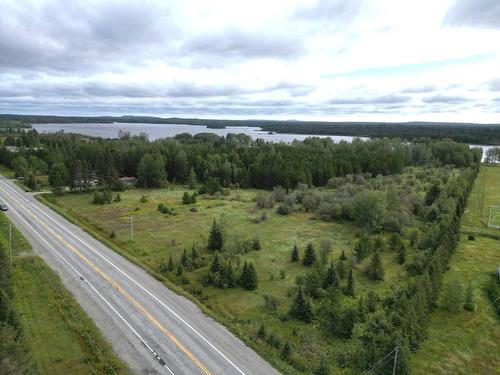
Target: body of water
{"points": [[156, 131]]}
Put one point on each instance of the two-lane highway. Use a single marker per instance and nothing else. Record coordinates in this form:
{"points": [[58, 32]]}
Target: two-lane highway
{"points": [[153, 329]]}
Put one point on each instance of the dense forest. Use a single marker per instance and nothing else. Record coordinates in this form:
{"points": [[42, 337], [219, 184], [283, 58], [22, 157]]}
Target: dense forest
{"points": [[460, 132], [234, 160]]}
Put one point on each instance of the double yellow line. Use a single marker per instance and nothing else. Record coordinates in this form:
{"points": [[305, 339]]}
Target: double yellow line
{"points": [[120, 289]]}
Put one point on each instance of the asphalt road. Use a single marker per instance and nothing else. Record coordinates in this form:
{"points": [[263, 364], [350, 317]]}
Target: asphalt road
{"points": [[153, 329]]}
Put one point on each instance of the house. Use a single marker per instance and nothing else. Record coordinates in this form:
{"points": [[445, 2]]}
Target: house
{"points": [[128, 181]]}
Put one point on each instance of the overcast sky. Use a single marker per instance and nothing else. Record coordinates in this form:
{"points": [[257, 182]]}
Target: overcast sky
{"points": [[394, 60]]}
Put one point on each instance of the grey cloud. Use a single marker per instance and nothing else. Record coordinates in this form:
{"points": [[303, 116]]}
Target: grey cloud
{"points": [[418, 89], [244, 44], [444, 99], [63, 35], [476, 13], [495, 85], [386, 99], [340, 11]]}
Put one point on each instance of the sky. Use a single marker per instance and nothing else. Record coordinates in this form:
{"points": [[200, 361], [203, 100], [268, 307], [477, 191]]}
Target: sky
{"points": [[338, 60]]}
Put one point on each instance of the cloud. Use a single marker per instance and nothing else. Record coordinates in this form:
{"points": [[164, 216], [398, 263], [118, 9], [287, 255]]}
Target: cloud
{"points": [[494, 85], [243, 44], [341, 11], [63, 36], [479, 13], [418, 89], [386, 99], [444, 99]]}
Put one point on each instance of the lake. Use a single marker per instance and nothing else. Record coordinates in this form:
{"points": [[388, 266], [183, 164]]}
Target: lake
{"points": [[156, 131]]}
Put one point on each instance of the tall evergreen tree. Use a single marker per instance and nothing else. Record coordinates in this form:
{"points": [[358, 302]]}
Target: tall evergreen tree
{"points": [[331, 278], [185, 259], [342, 256], [376, 268], [350, 289], [192, 181], [248, 278], [295, 254], [215, 240], [170, 266], [309, 256], [215, 266], [301, 308]]}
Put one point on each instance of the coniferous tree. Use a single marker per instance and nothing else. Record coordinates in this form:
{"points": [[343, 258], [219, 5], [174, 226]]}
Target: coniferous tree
{"points": [[362, 248], [170, 266], [309, 256], [342, 256], [350, 289], [331, 278], [469, 299], [194, 255], [341, 269], [256, 244], [376, 268], [323, 369], [402, 254], [248, 278], [180, 270], [215, 240], [215, 266], [432, 194], [261, 333], [295, 254], [301, 308], [192, 179], [185, 259], [286, 353]]}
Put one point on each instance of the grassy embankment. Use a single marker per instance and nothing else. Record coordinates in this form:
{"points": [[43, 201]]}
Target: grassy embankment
{"points": [[61, 338], [469, 342], [156, 236]]}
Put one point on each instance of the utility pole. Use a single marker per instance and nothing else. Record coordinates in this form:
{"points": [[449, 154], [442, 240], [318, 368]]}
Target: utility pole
{"points": [[395, 361], [10, 244], [131, 227]]}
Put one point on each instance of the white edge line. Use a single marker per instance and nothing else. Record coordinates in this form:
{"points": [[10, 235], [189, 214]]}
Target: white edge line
{"points": [[89, 284], [127, 276]]}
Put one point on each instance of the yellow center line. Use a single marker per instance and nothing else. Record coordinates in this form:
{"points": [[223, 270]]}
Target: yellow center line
{"points": [[122, 291]]}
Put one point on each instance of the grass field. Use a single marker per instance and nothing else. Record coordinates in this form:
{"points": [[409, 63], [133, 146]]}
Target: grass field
{"points": [[156, 236], [61, 337], [468, 342], [486, 193]]}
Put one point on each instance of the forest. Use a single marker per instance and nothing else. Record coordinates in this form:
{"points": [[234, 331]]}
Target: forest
{"points": [[337, 249]]}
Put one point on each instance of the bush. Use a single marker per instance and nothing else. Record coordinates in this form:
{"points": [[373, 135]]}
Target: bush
{"points": [[453, 296], [102, 198], [144, 199], [165, 209], [284, 209]]}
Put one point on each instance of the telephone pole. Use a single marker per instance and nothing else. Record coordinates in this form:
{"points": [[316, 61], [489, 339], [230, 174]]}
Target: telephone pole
{"points": [[10, 244], [395, 361], [131, 227]]}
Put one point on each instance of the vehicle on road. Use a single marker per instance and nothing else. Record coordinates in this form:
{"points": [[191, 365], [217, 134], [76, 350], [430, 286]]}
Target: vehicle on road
{"points": [[3, 206]]}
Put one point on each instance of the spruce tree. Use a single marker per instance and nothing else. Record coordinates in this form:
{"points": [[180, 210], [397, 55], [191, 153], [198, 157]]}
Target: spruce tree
{"points": [[342, 256], [192, 179], [215, 240], [256, 244], [286, 353], [309, 256], [295, 254], [402, 254], [170, 266], [261, 333], [248, 278], [215, 266], [350, 284], [180, 270], [341, 269], [185, 259], [301, 309], [331, 278], [376, 268]]}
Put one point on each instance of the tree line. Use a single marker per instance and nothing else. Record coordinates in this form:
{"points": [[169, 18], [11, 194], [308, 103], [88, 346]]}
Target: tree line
{"points": [[83, 162]]}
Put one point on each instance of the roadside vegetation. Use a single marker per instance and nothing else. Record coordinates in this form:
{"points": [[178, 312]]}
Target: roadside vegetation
{"points": [[43, 330], [464, 330], [324, 257]]}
